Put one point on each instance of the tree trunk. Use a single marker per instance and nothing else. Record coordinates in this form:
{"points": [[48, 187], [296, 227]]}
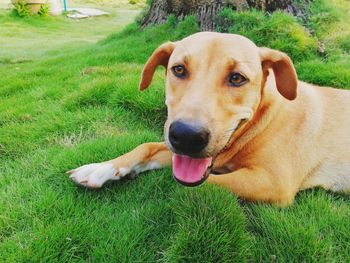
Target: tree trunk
{"points": [[206, 10]]}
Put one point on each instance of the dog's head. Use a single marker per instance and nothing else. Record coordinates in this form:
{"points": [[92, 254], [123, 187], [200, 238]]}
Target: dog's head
{"points": [[214, 86]]}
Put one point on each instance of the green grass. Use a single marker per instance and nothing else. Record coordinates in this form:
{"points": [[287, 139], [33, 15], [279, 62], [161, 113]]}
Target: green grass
{"points": [[74, 102], [111, 3], [30, 38]]}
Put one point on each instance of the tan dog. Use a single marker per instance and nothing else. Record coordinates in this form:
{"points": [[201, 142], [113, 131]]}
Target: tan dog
{"points": [[234, 113]]}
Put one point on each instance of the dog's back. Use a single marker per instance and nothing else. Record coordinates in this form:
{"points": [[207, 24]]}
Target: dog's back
{"points": [[329, 112]]}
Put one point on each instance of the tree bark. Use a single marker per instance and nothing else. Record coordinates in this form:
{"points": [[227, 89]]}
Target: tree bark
{"points": [[206, 10]]}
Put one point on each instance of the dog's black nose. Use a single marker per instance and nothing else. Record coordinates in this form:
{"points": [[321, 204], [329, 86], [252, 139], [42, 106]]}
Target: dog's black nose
{"points": [[188, 138]]}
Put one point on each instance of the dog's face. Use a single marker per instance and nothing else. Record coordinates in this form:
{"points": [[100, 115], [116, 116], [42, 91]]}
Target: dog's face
{"points": [[214, 84]]}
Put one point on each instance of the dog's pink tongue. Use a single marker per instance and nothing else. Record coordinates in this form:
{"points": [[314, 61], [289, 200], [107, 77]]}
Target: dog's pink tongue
{"points": [[189, 170]]}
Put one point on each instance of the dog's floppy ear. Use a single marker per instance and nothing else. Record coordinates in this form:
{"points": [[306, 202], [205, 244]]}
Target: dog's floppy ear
{"points": [[159, 57], [285, 75]]}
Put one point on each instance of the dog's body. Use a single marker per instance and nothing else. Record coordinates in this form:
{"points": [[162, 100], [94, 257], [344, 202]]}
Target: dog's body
{"points": [[239, 103]]}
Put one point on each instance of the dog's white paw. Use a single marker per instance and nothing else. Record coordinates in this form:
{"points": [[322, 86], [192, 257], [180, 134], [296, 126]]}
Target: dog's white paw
{"points": [[96, 174]]}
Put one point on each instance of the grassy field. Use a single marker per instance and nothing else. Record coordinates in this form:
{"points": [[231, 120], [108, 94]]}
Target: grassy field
{"points": [[67, 100], [104, 4]]}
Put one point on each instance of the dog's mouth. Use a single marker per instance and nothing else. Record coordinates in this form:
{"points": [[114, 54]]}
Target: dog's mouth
{"points": [[191, 171]]}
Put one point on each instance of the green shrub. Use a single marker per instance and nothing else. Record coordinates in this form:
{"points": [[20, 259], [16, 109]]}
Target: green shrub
{"points": [[279, 30], [44, 10], [186, 27], [344, 42], [329, 20], [321, 16], [22, 9]]}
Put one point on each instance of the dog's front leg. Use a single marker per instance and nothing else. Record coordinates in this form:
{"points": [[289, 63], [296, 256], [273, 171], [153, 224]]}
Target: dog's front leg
{"points": [[145, 157], [256, 184]]}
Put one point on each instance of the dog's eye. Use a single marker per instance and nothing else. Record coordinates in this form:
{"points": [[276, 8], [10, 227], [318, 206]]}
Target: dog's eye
{"points": [[236, 79], [179, 71]]}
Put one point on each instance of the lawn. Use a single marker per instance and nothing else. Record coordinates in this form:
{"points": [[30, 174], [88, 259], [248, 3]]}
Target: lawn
{"points": [[68, 96]]}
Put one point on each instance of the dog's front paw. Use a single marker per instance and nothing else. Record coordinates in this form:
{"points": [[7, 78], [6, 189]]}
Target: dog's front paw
{"points": [[96, 174]]}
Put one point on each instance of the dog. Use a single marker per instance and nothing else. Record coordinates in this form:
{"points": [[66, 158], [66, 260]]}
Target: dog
{"points": [[238, 117]]}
